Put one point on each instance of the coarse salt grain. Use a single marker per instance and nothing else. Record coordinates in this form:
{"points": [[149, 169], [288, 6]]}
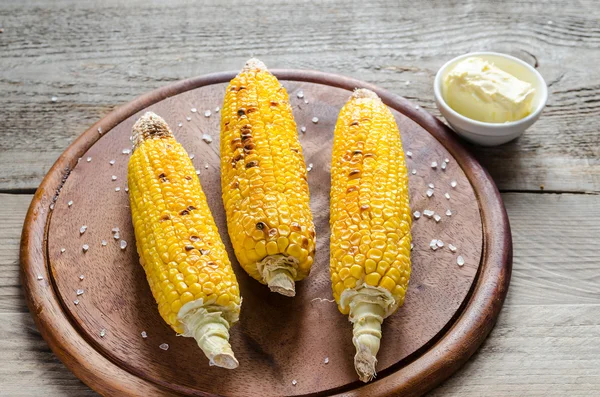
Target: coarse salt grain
{"points": [[81, 277], [114, 177], [444, 166], [217, 109], [429, 192], [192, 156], [100, 130], [315, 120], [431, 185], [79, 292], [417, 214], [434, 164], [437, 218], [448, 213], [54, 99], [164, 346], [447, 195], [104, 243], [89, 159], [85, 248], [409, 154], [102, 333], [428, 213], [207, 138], [82, 229], [112, 162], [76, 302], [433, 244], [117, 189], [126, 151], [414, 172], [300, 94], [197, 172], [451, 248], [453, 184], [180, 124], [144, 334], [188, 118], [40, 277], [326, 360], [440, 243], [206, 166], [303, 129], [193, 110], [70, 203], [117, 236], [294, 382], [207, 113], [123, 244], [62, 250], [460, 261], [446, 160]]}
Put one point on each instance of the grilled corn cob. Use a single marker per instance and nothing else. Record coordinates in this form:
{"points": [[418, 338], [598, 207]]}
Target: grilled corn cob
{"points": [[264, 181], [178, 243], [370, 222]]}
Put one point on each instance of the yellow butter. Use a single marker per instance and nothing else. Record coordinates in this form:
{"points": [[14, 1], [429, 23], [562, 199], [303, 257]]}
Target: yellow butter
{"points": [[479, 90]]}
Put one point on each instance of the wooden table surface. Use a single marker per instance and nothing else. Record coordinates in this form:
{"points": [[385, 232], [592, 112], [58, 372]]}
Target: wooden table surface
{"points": [[95, 55]]}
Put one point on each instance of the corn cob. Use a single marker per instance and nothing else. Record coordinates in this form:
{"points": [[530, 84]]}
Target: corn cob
{"points": [[264, 181], [179, 246], [370, 222]]}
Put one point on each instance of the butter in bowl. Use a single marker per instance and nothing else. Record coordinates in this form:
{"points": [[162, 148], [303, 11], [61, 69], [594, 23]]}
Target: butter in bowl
{"points": [[489, 98]]}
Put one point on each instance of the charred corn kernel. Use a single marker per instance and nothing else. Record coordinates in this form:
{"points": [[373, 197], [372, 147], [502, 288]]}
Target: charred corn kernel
{"points": [[264, 181], [370, 222], [178, 242]]}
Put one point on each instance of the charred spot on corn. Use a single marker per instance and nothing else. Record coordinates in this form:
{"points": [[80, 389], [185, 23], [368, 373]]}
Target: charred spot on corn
{"points": [[354, 174], [251, 164]]}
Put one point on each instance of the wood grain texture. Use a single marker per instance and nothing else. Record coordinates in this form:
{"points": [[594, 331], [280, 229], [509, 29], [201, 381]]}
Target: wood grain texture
{"points": [[83, 175], [94, 57], [544, 344]]}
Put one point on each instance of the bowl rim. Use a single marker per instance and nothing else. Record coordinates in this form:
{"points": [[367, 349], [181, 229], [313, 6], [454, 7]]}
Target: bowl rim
{"points": [[531, 117]]}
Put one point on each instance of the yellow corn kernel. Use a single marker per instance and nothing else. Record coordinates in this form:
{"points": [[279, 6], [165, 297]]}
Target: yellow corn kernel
{"points": [[172, 222], [264, 179]]}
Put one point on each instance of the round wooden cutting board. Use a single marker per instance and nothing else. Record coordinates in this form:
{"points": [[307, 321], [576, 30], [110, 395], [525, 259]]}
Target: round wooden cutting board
{"points": [[92, 307]]}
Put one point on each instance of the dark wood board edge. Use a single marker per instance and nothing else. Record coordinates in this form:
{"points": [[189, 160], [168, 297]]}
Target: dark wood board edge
{"points": [[447, 355]]}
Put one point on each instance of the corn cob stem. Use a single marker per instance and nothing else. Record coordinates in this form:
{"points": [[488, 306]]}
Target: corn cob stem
{"points": [[366, 337], [210, 330], [278, 272], [368, 307]]}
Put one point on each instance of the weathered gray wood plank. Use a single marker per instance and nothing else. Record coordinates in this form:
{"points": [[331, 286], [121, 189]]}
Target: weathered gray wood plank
{"points": [[546, 342], [95, 55]]}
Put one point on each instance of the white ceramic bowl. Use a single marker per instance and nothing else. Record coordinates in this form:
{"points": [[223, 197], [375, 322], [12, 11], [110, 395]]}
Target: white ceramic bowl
{"points": [[493, 134]]}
